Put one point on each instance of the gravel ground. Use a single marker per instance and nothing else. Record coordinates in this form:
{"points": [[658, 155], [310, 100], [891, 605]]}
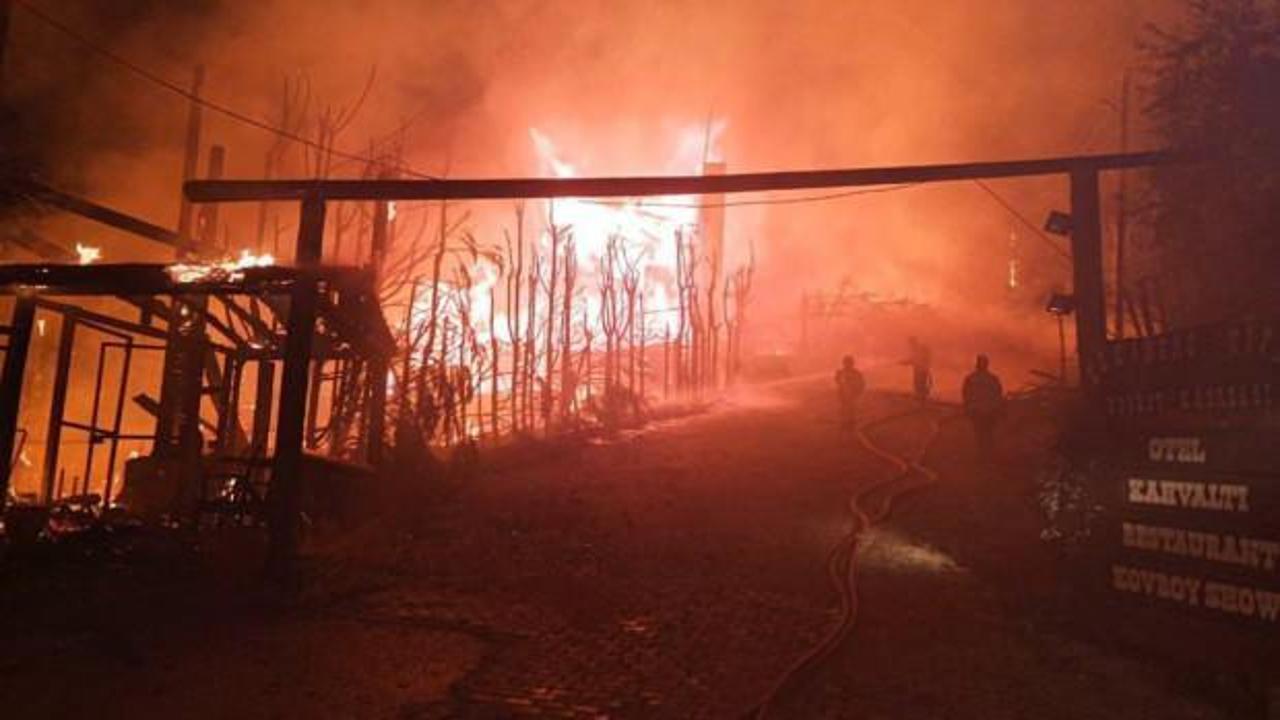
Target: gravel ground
{"points": [[676, 572]]}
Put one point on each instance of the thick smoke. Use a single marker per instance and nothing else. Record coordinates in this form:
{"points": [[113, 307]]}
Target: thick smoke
{"points": [[621, 87]]}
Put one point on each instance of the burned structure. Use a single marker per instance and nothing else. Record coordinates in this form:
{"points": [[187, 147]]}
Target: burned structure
{"points": [[247, 376], [321, 332]]}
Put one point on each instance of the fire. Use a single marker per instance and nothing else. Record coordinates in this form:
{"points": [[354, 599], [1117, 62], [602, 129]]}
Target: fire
{"points": [[648, 228], [228, 270], [88, 254], [477, 297]]}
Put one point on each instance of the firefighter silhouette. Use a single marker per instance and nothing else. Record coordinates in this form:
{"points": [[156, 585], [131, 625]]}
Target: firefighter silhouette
{"points": [[920, 358], [849, 388], [984, 404]]}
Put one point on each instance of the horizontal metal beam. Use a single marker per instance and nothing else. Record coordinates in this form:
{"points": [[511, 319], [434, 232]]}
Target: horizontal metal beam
{"points": [[261, 190], [151, 279], [42, 193]]}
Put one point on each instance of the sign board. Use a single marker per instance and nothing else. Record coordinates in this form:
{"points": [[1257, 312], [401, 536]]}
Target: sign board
{"points": [[1192, 490]]}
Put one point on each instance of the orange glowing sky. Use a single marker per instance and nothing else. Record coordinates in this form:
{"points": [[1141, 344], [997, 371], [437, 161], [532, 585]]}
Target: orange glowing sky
{"points": [[627, 87]]}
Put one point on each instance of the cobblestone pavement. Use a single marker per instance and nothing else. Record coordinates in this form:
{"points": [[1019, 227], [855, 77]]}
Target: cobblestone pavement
{"points": [[674, 573], [678, 573]]}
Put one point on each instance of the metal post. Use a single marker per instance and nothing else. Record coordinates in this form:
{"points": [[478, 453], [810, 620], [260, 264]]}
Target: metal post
{"points": [[206, 230], [381, 227], [190, 159], [127, 364], [15, 363], [1086, 256], [1122, 212], [6, 9], [377, 408], [229, 402], [264, 397], [284, 496], [93, 418], [313, 406], [53, 438], [1062, 349]]}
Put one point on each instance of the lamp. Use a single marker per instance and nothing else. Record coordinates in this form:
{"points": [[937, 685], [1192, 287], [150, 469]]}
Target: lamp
{"points": [[1061, 305], [1058, 223]]}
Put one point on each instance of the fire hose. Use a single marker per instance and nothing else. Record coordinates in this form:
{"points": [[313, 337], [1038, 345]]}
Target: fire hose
{"points": [[842, 561]]}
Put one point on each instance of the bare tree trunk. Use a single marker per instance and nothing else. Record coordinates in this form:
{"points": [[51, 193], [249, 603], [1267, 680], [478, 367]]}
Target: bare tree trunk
{"points": [[406, 368], [530, 346], [586, 341], [494, 364], [682, 311], [567, 382], [643, 340], [515, 279], [446, 383], [437, 266], [666, 363], [549, 340]]}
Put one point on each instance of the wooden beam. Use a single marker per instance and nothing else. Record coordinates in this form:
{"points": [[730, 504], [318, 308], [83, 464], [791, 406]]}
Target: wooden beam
{"points": [[42, 193], [100, 319], [376, 407], [284, 494], [53, 436], [1087, 280], [15, 364], [264, 398], [261, 190], [152, 279], [190, 158]]}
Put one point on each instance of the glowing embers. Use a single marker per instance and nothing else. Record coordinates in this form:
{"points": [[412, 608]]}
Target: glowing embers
{"points": [[228, 270], [88, 254]]}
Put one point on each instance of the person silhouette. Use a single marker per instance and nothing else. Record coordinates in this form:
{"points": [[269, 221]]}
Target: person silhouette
{"points": [[849, 388], [920, 358], [984, 404]]}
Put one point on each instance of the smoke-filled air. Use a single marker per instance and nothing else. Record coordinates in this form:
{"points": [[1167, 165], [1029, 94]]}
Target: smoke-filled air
{"points": [[630, 359]]}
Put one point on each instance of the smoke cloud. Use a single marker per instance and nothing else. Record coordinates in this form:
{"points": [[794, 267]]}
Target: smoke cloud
{"points": [[628, 87]]}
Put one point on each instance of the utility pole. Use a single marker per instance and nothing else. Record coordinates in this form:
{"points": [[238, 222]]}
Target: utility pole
{"points": [[6, 8], [7, 142], [190, 161], [1088, 285], [1122, 224]]}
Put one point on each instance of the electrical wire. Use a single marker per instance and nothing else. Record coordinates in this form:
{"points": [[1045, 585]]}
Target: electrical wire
{"points": [[1023, 219], [247, 119], [776, 201], [217, 107]]}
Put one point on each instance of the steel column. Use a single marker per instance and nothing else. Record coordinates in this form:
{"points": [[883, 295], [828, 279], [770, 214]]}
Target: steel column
{"points": [[15, 363], [62, 374], [118, 418], [1086, 257], [264, 397], [284, 496], [377, 408]]}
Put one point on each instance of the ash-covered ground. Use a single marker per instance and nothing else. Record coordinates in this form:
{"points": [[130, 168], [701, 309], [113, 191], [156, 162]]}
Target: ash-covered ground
{"points": [[676, 572]]}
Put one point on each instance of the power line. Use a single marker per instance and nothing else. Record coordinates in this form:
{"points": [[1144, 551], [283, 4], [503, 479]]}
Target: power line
{"points": [[203, 102], [1023, 219], [776, 201], [267, 127]]}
